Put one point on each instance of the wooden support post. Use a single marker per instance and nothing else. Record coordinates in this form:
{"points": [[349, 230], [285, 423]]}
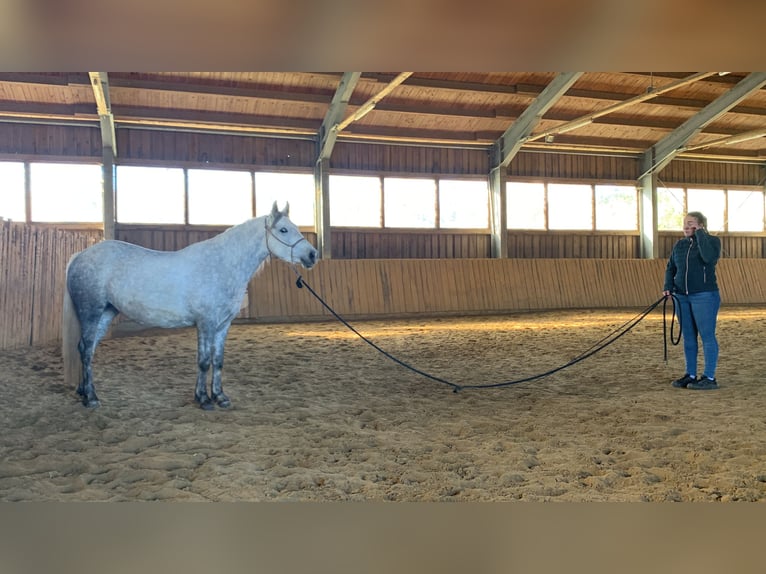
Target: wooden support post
{"points": [[322, 207], [108, 188], [498, 213], [647, 215]]}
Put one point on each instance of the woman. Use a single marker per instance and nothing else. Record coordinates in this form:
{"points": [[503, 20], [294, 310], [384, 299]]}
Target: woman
{"points": [[690, 276]]}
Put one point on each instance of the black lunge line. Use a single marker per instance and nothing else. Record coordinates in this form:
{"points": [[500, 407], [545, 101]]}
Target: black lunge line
{"points": [[598, 346]]}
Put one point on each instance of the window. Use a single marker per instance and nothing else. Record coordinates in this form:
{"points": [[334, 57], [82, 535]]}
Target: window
{"points": [[745, 210], [525, 205], [65, 192], [150, 195], [355, 201], [711, 203], [670, 208], [12, 191], [219, 197], [570, 206], [463, 204], [295, 188], [409, 202], [616, 207]]}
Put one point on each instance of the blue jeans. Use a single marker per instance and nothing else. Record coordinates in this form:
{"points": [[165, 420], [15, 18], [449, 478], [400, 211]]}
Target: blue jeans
{"points": [[698, 313]]}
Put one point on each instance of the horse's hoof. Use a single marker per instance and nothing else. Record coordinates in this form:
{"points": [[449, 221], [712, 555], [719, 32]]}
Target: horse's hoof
{"points": [[222, 401], [204, 402], [91, 403]]}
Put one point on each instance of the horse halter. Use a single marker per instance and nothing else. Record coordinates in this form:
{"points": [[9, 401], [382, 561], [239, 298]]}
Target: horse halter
{"points": [[290, 245]]}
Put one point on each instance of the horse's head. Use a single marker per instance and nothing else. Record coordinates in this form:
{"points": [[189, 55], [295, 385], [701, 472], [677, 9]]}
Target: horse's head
{"points": [[290, 245]]}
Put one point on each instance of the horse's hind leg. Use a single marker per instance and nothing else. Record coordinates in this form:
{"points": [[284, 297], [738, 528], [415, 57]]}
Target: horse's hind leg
{"points": [[94, 327]]}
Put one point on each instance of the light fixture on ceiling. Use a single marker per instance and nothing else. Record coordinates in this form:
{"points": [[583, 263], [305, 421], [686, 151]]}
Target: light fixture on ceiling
{"points": [[549, 138], [650, 87]]}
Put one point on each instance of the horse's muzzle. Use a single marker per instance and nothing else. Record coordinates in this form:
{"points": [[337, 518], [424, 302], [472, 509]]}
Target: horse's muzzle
{"points": [[310, 259]]}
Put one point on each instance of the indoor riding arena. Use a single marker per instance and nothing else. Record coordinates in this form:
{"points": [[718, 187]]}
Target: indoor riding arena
{"points": [[485, 320]]}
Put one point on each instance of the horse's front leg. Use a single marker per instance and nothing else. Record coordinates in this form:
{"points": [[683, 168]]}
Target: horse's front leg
{"points": [[204, 348], [216, 387]]}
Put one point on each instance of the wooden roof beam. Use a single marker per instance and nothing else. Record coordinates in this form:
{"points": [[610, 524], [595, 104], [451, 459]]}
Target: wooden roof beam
{"points": [[370, 104], [328, 131], [515, 136], [661, 153], [100, 83], [588, 118], [218, 89], [533, 90], [733, 139]]}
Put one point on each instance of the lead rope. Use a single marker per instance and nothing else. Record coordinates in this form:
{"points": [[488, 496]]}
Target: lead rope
{"points": [[598, 346], [673, 300]]}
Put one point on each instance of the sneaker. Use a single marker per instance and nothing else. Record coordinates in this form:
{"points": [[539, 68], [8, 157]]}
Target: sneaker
{"points": [[703, 384], [684, 381]]}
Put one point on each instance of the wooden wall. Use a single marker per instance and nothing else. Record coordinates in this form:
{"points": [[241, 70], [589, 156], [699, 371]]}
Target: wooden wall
{"points": [[165, 237], [571, 166], [151, 147], [64, 142], [32, 269], [732, 246], [33, 261], [406, 287], [147, 146], [586, 245], [409, 244], [712, 173], [409, 159], [373, 272], [441, 244]]}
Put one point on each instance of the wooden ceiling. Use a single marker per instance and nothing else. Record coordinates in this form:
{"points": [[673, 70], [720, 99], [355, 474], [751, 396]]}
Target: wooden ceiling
{"points": [[624, 113]]}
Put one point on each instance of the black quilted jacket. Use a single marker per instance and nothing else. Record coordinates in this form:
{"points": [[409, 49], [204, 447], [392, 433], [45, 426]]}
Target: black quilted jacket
{"points": [[691, 267]]}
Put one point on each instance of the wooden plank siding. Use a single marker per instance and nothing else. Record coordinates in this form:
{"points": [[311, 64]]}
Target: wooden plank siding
{"points": [[440, 244], [374, 272], [42, 143], [576, 167], [737, 246], [157, 147], [687, 172], [421, 244], [32, 275], [408, 287], [150, 147], [33, 260]]}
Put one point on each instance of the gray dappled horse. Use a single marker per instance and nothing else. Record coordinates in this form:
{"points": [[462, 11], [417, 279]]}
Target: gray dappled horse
{"points": [[202, 285]]}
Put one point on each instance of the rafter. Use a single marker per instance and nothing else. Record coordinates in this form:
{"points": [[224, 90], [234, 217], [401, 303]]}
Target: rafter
{"points": [[100, 83], [661, 153], [733, 139], [588, 118], [370, 104], [514, 137], [328, 131]]}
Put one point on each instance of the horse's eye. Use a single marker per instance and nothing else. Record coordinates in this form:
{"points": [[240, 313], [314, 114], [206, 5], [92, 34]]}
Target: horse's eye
{"points": [[283, 230]]}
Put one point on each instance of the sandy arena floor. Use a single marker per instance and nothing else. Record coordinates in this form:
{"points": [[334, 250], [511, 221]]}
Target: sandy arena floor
{"points": [[320, 416]]}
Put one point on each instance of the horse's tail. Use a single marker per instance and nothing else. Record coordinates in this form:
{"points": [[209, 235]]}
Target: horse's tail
{"points": [[70, 338]]}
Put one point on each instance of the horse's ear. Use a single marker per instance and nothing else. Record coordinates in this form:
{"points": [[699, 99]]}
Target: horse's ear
{"points": [[286, 210], [273, 216]]}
